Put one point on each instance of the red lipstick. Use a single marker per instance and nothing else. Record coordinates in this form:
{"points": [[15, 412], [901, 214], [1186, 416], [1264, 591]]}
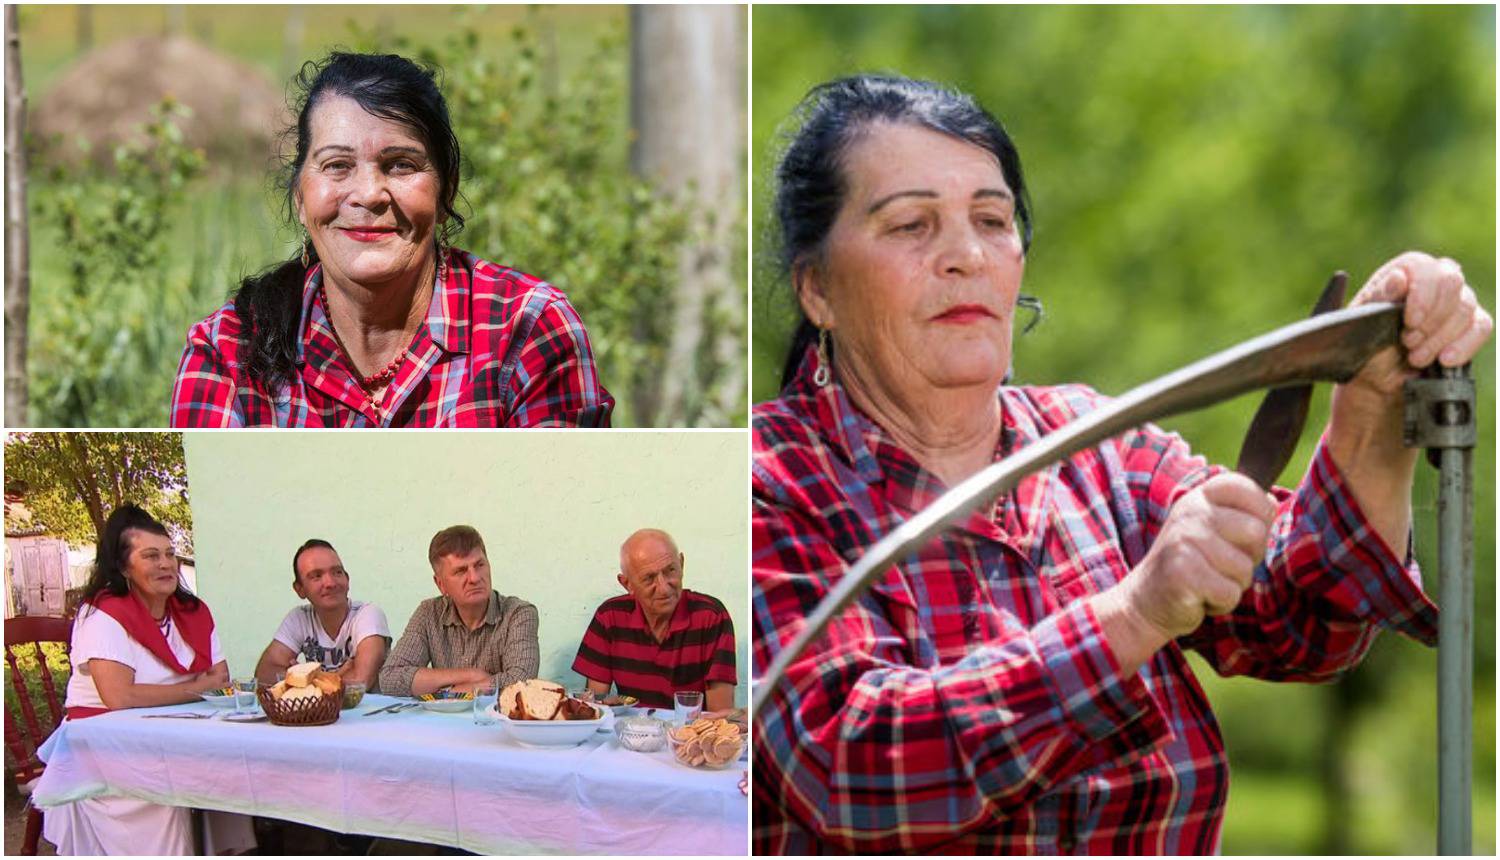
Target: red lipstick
{"points": [[367, 234], [964, 314]]}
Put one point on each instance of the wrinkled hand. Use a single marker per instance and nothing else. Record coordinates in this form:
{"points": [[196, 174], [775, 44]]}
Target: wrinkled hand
{"points": [[1443, 321], [1204, 557]]}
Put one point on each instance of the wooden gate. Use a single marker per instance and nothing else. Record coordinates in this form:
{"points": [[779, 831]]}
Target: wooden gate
{"points": [[40, 576]]}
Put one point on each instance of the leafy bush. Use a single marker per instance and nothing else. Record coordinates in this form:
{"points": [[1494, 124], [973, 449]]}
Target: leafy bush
{"points": [[106, 345]]}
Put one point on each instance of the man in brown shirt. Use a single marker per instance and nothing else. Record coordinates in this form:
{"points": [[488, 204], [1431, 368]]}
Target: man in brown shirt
{"points": [[467, 636]]}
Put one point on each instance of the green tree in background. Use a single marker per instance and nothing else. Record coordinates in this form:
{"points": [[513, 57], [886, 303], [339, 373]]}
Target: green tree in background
{"points": [[72, 481], [1196, 175]]}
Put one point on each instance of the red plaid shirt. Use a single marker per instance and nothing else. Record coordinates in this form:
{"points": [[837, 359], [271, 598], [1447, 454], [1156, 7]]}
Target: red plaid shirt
{"points": [[499, 349], [969, 702]]}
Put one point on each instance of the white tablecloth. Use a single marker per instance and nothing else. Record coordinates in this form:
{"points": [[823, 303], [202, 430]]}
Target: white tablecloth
{"points": [[416, 775]]}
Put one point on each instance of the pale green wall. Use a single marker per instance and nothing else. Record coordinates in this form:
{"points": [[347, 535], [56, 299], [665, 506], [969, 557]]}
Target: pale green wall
{"points": [[553, 508]]}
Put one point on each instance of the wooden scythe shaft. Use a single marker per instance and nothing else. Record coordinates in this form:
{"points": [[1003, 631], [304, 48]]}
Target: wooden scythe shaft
{"points": [[1328, 348]]}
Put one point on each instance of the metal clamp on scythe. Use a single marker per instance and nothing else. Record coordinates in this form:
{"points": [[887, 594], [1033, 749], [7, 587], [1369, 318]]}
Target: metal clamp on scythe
{"points": [[1330, 347]]}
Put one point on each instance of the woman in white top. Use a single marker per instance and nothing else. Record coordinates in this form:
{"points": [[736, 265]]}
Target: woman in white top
{"points": [[140, 640]]}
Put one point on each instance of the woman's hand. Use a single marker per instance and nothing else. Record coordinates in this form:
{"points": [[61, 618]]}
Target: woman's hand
{"points": [[1442, 323], [1200, 563]]}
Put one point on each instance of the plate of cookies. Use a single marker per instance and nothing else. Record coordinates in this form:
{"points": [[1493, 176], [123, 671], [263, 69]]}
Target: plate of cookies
{"points": [[707, 743]]}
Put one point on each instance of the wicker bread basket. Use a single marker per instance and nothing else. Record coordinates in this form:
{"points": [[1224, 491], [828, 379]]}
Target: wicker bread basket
{"points": [[300, 712]]}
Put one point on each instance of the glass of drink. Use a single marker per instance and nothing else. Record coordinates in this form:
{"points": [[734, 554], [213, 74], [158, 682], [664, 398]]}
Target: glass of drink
{"points": [[689, 705], [244, 695], [485, 697]]}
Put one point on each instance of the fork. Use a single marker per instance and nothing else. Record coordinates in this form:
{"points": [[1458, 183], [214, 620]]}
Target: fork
{"points": [[189, 715]]}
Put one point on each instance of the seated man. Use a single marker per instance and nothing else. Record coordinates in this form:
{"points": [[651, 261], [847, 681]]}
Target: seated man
{"points": [[659, 638], [468, 635], [349, 637]]}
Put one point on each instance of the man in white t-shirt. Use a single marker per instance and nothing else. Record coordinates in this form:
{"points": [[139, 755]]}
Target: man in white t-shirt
{"points": [[349, 637]]}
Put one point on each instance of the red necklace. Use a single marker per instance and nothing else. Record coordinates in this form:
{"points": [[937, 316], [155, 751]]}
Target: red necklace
{"points": [[375, 380]]}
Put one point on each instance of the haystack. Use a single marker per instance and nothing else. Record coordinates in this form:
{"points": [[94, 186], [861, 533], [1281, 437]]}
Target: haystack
{"points": [[108, 94]]}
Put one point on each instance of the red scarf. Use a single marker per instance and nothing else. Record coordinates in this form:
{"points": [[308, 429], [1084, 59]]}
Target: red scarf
{"points": [[195, 623]]}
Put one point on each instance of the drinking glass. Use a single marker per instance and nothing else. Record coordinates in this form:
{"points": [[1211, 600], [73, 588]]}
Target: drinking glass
{"points": [[244, 695], [485, 696], [689, 705]]}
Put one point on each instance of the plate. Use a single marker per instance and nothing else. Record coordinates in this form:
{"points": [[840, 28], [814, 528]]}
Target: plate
{"points": [[447, 703], [217, 698], [258, 716]]}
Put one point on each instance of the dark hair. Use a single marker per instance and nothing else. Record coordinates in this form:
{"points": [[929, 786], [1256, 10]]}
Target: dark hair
{"points": [[810, 182], [388, 86], [453, 540], [310, 544], [113, 552]]}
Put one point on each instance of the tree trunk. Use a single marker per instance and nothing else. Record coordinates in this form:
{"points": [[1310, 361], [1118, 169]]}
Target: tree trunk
{"points": [[85, 31], [687, 109], [17, 245]]}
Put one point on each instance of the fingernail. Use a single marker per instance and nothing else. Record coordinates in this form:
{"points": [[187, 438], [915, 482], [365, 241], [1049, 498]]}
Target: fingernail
{"points": [[1450, 357]]}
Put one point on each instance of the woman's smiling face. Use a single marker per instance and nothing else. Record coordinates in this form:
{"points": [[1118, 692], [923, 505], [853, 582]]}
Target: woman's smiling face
{"points": [[920, 272], [367, 194]]}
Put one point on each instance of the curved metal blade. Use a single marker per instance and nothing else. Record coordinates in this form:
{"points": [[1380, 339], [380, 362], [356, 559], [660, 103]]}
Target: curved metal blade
{"points": [[1277, 426], [1332, 347]]}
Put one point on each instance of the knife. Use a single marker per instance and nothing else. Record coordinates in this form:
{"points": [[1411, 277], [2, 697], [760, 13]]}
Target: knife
{"points": [[1331, 347], [1277, 425]]}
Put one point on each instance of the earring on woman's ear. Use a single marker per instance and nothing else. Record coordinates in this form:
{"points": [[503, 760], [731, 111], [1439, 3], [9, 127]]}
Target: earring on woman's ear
{"points": [[823, 372], [305, 237]]}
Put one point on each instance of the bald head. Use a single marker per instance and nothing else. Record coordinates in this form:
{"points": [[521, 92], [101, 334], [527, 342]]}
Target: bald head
{"points": [[651, 570]]}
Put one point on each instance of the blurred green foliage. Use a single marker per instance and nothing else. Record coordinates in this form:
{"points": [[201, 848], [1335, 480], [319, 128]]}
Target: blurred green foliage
{"points": [[550, 193], [1196, 175], [103, 346]]}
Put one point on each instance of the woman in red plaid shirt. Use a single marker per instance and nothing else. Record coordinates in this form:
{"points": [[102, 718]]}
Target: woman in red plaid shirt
{"points": [[1020, 684], [377, 322]]}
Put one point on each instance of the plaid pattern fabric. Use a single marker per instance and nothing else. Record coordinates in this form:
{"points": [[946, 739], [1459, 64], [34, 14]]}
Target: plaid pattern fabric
{"points": [[499, 349], [505, 645], [969, 703], [618, 648]]}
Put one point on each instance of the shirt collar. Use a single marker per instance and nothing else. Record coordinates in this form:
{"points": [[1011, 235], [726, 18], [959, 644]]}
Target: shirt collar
{"points": [[448, 313], [449, 613], [878, 460], [680, 616]]}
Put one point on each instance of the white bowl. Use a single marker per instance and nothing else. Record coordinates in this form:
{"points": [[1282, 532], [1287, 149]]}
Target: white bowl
{"points": [[555, 733]]}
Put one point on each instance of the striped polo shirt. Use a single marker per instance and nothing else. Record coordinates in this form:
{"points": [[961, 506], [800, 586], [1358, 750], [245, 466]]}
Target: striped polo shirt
{"points": [[619, 648]]}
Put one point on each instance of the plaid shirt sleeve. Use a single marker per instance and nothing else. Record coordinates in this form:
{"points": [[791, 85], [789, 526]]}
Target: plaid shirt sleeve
{"points": [[555, 383], [410, 653], [204, 393], [520, 655], [1328, 583], [873, 755]]}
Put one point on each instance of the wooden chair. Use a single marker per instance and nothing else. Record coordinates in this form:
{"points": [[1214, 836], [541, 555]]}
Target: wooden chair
{"points": [[25, 635]]}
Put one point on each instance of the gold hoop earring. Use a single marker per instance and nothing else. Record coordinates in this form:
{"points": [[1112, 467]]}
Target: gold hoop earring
{"points": [[823, 373]]}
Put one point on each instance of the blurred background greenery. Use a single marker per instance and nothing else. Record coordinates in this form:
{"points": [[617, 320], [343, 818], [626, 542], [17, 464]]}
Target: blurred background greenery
{"points": [[1196, 175], [135, 238]]}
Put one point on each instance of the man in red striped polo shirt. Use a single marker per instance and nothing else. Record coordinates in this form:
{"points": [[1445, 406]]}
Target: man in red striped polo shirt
{"points": [[659, 638]]}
